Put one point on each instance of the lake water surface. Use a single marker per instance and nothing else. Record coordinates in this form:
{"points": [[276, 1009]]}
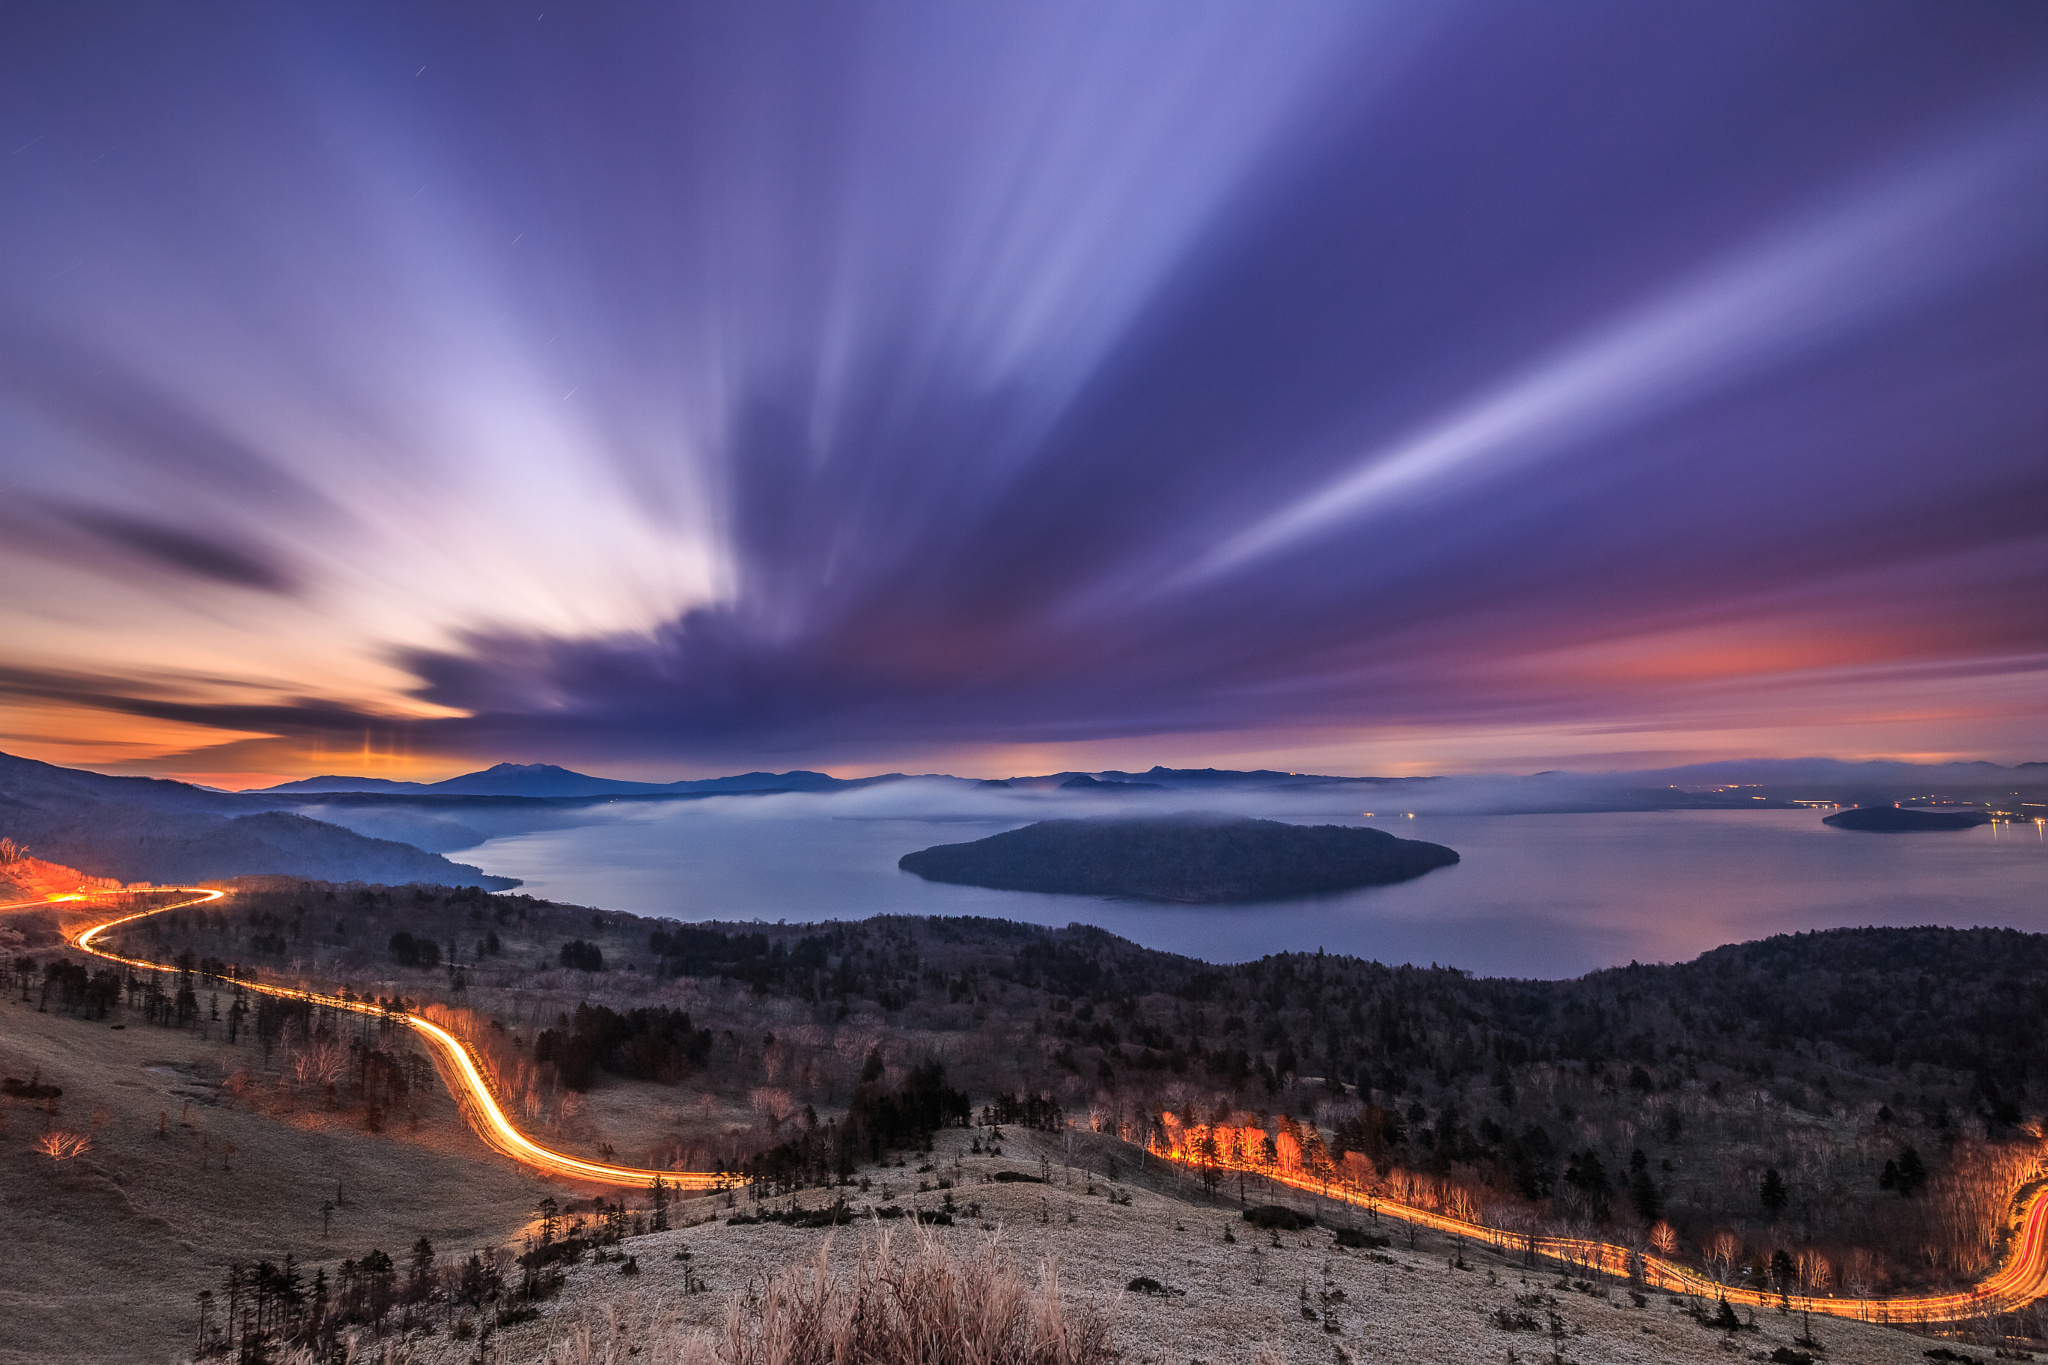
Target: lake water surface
{"points": [[1535, 895]]}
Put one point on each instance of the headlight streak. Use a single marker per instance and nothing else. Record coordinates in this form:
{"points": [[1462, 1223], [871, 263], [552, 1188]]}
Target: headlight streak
{"points": [[459, 1068], [2022, 1279]]}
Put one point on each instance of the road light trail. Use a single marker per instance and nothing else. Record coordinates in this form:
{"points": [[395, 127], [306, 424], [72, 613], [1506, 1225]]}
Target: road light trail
{"points": [[2023, 1277], [459, 1067]]}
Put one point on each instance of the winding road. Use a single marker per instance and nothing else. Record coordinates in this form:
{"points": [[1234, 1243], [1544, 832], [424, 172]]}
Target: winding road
{"points": [[459, 1066], [2022, 1278]]}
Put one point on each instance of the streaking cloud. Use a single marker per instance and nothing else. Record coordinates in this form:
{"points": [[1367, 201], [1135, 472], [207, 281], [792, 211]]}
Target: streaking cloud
{"points": [[1798, 290], [706, 385]]}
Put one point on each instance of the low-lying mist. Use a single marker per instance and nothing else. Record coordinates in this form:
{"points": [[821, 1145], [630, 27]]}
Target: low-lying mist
{"points": [[450, 825]]}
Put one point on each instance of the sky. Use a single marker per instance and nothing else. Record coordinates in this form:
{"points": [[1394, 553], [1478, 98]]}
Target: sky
{"points": [[1371, 388]]}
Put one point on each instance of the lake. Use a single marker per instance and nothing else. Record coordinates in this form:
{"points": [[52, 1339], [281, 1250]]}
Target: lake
{"points": [[1535, 895]]}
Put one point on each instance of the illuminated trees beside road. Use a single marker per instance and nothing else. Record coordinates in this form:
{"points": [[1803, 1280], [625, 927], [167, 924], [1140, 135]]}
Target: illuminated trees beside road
{"points": [[1722, 1250]]}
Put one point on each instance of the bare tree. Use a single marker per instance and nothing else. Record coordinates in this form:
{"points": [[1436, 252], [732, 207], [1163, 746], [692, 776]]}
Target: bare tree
{"points": [[1722, 1250], [62, 1146]]}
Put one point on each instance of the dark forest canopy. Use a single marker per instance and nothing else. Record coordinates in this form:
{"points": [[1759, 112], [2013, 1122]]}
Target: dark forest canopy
{"points": [[1190, 859], [1957, 1001]]}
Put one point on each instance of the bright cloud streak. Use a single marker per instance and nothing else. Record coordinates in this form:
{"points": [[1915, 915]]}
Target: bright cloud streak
{"points": [[1799, 289]]}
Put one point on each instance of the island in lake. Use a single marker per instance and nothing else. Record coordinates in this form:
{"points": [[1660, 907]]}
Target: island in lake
{"points": [[1904, 820], [1189, 859]]}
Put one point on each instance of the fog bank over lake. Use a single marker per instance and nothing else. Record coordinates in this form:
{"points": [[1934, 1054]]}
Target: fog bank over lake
{"points": [[1546, 895]]}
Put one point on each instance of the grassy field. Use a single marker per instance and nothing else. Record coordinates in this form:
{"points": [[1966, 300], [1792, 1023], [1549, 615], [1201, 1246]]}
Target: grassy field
{"points": [[204, 1152], [125, 1235], [183, 1176]]}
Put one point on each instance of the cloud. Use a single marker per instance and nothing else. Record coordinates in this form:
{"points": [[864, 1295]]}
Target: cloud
{"points": [[189, 552], [702, 386], [1883, 248]]}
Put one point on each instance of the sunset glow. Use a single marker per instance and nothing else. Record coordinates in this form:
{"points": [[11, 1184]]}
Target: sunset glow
{"points": [[982, 388]]}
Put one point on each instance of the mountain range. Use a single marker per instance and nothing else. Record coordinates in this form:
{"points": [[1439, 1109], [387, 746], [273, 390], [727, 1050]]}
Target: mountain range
{"points": [[1826, 776], [374, 829], [545, 781]]}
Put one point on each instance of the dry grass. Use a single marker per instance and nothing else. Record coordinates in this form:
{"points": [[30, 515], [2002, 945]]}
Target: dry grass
{"points": [[928, 1305], [112, 1244], [124, 1235]]}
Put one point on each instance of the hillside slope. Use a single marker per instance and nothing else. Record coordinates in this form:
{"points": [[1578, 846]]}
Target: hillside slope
{"points": [[1265, 1297], [144, 829]]}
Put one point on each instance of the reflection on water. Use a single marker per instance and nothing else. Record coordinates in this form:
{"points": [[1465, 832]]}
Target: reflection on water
{"points": [[1536, 895]]}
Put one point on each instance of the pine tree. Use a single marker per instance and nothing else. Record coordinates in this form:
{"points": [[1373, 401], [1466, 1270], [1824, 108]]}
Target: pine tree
{"points": [[1643, 1193], [234, 1288], [1772, 1193], [660, 1204], [419, 1285], [549, 1220], [1912, 1174]]}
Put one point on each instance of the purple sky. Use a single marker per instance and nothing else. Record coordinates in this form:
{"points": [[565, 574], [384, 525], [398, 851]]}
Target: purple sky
{"points": [[665, 389]]}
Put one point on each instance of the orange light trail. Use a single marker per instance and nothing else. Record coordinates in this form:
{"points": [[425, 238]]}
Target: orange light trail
{"points": [[2023, 1277], [458, 1065]]}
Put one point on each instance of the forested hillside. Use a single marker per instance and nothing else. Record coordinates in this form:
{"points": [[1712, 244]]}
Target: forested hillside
{"points": [[1863, 1100]]}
